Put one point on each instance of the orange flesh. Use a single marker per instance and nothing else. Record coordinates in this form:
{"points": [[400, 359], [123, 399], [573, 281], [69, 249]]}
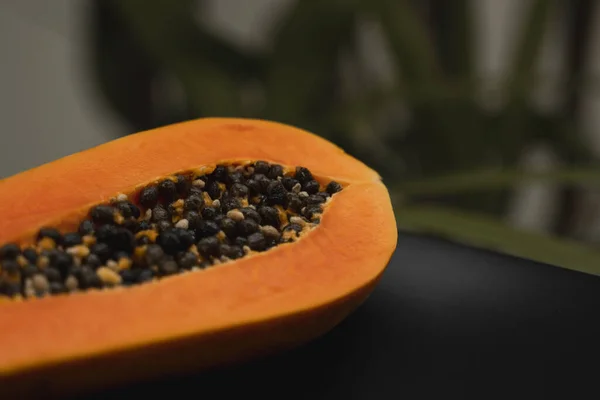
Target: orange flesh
{"points": [[259, 303]]}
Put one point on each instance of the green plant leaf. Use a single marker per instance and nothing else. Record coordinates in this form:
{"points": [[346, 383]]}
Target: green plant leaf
{"points": [[410, 45], [452, 23], [485, 232], [123, 72], [476, 181], [303, 63], [168, 32], [528, 47]]}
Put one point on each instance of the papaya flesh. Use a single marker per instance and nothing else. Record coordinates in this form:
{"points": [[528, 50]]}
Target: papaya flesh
{"points": [[240, 306]]}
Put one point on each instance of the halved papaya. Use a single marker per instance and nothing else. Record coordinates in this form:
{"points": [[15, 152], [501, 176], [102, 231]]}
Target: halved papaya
{"points": [[189, 246]]}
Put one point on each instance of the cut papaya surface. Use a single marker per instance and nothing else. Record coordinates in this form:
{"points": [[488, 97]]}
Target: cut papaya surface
{"points": [[184, 247]]}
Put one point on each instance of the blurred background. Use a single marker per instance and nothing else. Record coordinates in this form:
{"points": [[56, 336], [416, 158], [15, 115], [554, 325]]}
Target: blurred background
{"points": [[482, 116]]}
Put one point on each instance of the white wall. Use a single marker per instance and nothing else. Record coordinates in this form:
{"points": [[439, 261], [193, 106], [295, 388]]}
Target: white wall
{"points": [[46, 108]]}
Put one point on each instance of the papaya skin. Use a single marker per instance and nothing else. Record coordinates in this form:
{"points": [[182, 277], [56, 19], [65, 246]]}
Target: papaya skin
{"points": [[254, 306]]}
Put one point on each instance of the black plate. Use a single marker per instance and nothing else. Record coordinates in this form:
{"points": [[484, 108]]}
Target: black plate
{"points": [[446, 320]]}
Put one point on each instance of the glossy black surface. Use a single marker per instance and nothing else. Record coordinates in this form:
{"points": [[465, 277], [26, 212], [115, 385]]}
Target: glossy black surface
{"points": [[446, 320]]}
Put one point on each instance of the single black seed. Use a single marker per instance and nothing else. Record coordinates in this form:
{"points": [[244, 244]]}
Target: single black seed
{"points": [[269, 215], [193, 203], [309, 211], [206, 228], [63, 262], [30, 254], [204, 264], [231, 251], [251, 213], [123, 241], [29, 270], [236, 177], [129, 276], [101, 250], [167, 190], [145, 276], [276, 193], [261, 167], [263, 182], [89, 279], [52, 274], [186, 237], [193, 218], [209, 212], [229, 227], [86, 227], [50, 233], [241, 241], [257, 241], [51, 254], [182, 185], [135, 211], [195, 191], [169, 242], [186, 260], [289, 182], [160, 213], [154, 253], [168, 267], [219, 174], [303, 175], [208, 246], [311, 187], [275, 171], [293, 227], [106, 233], [78, 271], [149, 196], [72, 239], [239, 190], [315, 199], [230, 203], [324, 195], [218, 218], [132, 225], [103, 214], [163, 226], [333, 187], [9, 288], [213, 190], [125, 209], [10, 266], [9, 251], [247, 227], [253, 186], [294, 202], [57, 287]]}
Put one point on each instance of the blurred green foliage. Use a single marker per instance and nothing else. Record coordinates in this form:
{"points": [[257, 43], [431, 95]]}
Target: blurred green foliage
{"points": [[451, 165]]}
